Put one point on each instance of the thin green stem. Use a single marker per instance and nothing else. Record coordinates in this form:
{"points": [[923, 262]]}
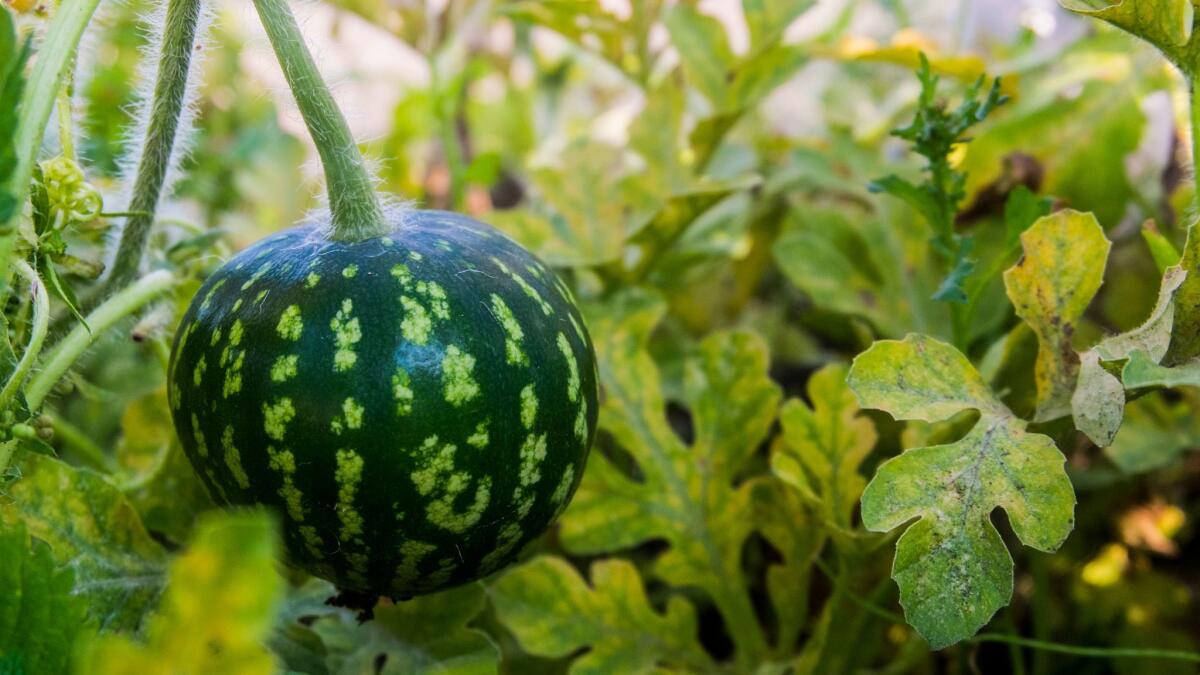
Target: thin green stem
{"points": [[357, 214], [81, 445], [1091, 652], [53, 61], [1194, 109], [170, 93], [119, 306], [37, 333]]}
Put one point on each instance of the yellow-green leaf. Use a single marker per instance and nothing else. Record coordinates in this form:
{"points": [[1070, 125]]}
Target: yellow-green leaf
{"points": [[1050, 287], [829, 440], [218, 609], [90, 526], [554, 613], [1166, 24], [952, 567], [685, 494]]}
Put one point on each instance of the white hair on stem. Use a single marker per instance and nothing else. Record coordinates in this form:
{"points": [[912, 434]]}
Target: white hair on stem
{"points": [[152, 24]]}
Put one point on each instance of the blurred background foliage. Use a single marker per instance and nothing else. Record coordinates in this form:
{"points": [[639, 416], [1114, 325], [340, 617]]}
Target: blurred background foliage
{"points": [[691, 168]]}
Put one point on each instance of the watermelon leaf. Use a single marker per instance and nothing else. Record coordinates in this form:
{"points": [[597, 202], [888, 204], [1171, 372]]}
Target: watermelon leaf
{"points": [[554, 613], [39, 620], [951, 565], [119, 569], [220, 602], [685, 493]]}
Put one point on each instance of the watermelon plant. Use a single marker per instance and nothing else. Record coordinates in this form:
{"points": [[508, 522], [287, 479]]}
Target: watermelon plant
{"points": [[844, 337]]}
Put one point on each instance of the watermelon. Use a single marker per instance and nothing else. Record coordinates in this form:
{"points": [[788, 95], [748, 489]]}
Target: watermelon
{"points": [[416, 406]]}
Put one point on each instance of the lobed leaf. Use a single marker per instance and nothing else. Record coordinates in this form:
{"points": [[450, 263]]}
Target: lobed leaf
{"points": [[829, 440], [119, 569], [685, 495], [919, 378], [428, 634], [1050, 287], [219, 606], [39, 620], [952, 567], [554, 613]]}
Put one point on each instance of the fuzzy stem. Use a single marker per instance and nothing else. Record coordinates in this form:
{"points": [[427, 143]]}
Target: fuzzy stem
{"points": [[81, 445], [357, 214], [37, 334], [53, 60], [121, 305], [170, 93]]}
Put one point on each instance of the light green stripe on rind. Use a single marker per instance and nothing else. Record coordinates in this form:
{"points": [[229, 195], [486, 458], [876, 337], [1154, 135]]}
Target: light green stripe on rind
{"points": [[346, 334], [438, 479], [233, 459], [458, 380], [573, 387], [290, 324], [529, 290], [529, 406], [514, 335], [284, 368], [348, 476], [276, 417], [402, 391]]}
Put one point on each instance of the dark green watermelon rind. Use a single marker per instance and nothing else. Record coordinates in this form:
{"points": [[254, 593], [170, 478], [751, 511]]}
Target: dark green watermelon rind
{"points": [[286, 390]]}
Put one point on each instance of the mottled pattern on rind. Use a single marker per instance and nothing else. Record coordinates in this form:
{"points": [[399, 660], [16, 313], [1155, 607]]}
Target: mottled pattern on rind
{"points": [[390, 420]]}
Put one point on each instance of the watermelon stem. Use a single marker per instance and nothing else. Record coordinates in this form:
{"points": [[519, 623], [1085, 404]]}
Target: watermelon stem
{"points": [[119, 306], [167, 107], [41, 322], [356, 210]]}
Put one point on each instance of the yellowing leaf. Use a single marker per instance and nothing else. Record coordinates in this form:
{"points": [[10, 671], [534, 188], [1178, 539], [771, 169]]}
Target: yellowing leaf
{"points": [[1098, 403], [554, 613], [1050, 287], [1166, 24], [686, 494], [952, 567], [427, 634], [218, 609], [829, 440], [905, 49], [119, 570]]}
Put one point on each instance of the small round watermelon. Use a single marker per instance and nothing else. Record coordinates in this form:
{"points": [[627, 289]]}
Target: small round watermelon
{"points": [[417, 406]]}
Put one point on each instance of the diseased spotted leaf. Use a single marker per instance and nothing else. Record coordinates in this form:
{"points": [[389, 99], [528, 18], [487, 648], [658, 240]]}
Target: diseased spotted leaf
{"points": [[919, 378], [39, 620], [1098, 403], [427, 634], [829, 440], [1166, 24], [686, 494], [952, 568], [554, 613], [1050, 287], [219, 606], [119, 569]]}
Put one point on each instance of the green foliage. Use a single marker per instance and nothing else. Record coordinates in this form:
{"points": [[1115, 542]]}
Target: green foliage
{"points": [[934, 133], [39, 621]]}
